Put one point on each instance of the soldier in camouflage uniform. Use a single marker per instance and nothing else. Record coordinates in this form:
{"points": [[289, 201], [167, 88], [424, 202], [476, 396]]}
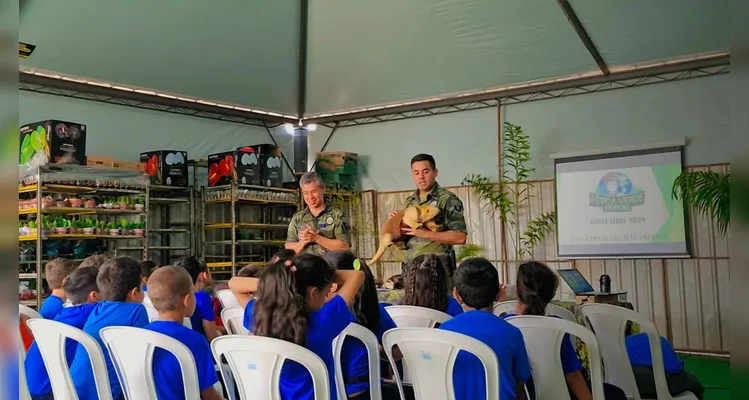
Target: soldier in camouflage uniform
{"points": [[317, 228], [453, 232]]}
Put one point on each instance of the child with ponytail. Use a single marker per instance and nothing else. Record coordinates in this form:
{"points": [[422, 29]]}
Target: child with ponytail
{"points": [[291, 305], [369, 313], [536, 287]]}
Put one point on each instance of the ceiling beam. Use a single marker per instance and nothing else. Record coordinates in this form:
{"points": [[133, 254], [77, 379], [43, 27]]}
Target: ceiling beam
{"points": [[510, 91], [583, 35], [302, 71], [133, 96]]}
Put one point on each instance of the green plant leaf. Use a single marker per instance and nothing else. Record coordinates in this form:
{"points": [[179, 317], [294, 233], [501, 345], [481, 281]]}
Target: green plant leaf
{"points": [[469, 250], [707, 192], [536, 232]]}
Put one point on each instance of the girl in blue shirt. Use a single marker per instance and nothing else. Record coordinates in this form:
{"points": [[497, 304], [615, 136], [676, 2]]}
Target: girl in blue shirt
{"points": [[426, 286], [368, 313], [536, 287], [291, 305]]}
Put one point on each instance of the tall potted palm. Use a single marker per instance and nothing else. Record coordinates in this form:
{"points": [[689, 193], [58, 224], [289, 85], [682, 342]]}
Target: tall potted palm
{"points": [[708, 193]]}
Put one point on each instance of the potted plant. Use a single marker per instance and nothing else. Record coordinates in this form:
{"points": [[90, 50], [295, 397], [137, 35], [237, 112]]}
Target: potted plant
{"points": [[140, 204], [75, 202], [88, 226], [113, 229], [707, 192], [138, 228], [47, 226], [62, 226], [101, 227], [122, 203], [89, 203]]}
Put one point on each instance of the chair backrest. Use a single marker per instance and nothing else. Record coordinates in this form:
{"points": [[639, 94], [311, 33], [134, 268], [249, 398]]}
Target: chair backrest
{"points": [[543, 338], [430, 355], [373, 360], [609, 323], [153, 315], [233, 318], [132, 351], [416, 317], [227, 299], [509, 306], [255, 363], [28, 311], [23, 388], [50, 336]]}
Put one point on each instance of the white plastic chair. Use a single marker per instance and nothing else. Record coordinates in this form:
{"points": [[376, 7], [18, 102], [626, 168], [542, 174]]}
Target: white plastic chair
{"points": [[609, 323], [23, 388], [510, 306], [132, 351], [256, 361], [50, 336], [369, 339], [543, 338], [416, 317], [153, 315], [431, 355], [233, 318], [227, 299], [28, 311]]}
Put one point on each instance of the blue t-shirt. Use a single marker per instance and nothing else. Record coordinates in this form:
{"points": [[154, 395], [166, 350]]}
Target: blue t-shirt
{"points": [[166, 370], [203, 311], [51, 307], [570, 362], [453, 307], [354, 359], [507, 343], [75, 316], [105, 314], [11, 368], [638, 349], [323, 327], [246, 321]]}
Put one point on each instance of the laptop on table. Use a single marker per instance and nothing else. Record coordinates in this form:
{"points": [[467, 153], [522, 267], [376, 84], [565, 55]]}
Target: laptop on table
{"points": [[580, 286]]}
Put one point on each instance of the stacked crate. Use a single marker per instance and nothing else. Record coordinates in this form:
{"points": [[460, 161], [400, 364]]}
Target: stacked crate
{"points": [[339, 170]]}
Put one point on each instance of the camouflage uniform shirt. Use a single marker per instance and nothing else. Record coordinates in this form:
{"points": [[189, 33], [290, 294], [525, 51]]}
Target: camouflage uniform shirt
{"points": [[450, 218], [329, 224]]}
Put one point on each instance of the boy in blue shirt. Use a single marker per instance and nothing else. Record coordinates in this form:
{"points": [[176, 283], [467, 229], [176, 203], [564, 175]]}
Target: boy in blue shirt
{"points": [[171, 291], [678, 379], [55, 273], [80, 288], [203, 319], [477, 288], [119, 282]]}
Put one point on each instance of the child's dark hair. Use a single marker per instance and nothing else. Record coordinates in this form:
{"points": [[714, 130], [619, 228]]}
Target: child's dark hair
{"points": [[148, 267], [95, 261], [281, 310], [426, 283], [366, 306], [536, 286], [55, 272], [250, 271], [193, 267], [282, 255], [397, 281], [80, 283], [477, 282], [117, 277]]}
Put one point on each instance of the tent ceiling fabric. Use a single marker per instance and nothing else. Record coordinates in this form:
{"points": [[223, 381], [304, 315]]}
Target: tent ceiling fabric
{"points": [[360, 53], [232, 51]]}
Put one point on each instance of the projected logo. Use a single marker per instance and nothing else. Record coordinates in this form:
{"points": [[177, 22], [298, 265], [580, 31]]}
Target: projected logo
{"points": [[615, 193]]}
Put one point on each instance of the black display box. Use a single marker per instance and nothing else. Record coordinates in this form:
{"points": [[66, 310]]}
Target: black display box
{"points": [[165, 167], [62, 142]]}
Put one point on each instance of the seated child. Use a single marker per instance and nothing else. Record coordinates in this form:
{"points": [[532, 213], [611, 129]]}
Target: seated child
{"points": [[95, 261], [55, 273], [368, 313], [80, 288], [203, 319], [247, 300], [313, 323], [172, 294], [678, 379], [426, 286], [536, 287], [477, 288], [119, 283]]}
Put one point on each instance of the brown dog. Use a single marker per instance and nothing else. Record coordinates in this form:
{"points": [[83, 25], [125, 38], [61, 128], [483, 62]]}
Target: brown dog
{"points": [[414, 217]]}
